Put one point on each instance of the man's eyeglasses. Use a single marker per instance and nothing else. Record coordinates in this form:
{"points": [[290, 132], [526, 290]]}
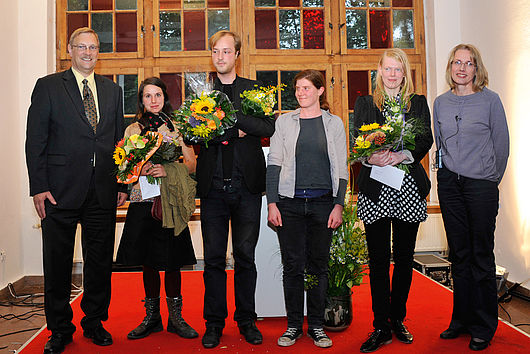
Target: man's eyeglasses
{"points": [[83, 47], [459, 63]]}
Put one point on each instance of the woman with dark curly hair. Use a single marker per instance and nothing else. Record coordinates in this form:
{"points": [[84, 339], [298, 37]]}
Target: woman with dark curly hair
{"points": [[144, 241]]}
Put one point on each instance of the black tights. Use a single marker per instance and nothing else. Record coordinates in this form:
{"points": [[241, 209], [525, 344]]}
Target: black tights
{"points": [[172, 282]]}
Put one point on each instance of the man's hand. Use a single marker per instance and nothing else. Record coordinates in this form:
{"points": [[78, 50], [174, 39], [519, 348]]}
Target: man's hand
{"points": [[38, 201], [335, 217], [274, 217], [122, 197]]}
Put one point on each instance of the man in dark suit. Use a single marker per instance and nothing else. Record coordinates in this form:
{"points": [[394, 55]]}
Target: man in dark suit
{"points": [[74, 121], [231, 180]]}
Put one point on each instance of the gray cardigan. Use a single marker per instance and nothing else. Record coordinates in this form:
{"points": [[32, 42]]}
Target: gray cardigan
{"points": [[283, 150], [472, 133]]}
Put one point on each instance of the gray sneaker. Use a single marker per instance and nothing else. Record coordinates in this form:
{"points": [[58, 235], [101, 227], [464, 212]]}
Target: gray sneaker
{"points": [[289, 337], [320, 338]]}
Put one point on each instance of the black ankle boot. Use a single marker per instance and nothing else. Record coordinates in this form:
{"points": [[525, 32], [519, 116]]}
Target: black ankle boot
{"points": [[176, 323], [152, 321]]}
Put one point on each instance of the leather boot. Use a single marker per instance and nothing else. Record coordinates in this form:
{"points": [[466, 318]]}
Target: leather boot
{"points": [[176, 323], [152, 321]]}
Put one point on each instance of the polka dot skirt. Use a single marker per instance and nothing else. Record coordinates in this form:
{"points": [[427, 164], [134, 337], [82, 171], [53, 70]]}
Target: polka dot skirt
{"points": [[406, 205]]}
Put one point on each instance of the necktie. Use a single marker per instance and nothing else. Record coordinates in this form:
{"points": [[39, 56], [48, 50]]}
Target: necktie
{"points": [[90, 105]]}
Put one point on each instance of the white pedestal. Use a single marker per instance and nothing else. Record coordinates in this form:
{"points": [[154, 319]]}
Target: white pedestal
{"points": [[269, 288]]}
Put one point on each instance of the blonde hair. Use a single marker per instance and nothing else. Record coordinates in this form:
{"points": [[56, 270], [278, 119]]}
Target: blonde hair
{"points": [[481, 74], [220, 34], [407, 86], [82, 30]]}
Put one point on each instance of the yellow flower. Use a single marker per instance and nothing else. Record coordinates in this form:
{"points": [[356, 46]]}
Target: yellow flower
{"points": [[359, 140], [387, 128], [361, 143], [364, 144], [119, 155], [201, 131], [368, 127], [134, 138], [204, 105]]}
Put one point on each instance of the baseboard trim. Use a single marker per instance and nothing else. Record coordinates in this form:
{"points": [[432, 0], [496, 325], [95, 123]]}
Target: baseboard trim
{"points": [[27, 281]]}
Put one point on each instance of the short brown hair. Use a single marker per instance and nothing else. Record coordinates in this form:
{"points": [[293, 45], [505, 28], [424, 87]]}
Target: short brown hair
{"points": [[218, 35], [481, 74], [82, 30], [407, 86], [317, 79]]}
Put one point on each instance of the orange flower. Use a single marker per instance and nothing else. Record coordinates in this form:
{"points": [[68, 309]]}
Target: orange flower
{"points": [[375, 135], [198, 116], [219, 113], [211, 124]]}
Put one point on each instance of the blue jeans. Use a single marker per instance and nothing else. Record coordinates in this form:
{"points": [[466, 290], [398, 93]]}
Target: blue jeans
{"points": [[469, 209], [304, 243], [243, 209]]}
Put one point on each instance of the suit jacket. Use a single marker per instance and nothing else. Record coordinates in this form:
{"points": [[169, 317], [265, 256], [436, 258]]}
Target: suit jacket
{"points": [[252, 160], [366, 112], [61, 145]]}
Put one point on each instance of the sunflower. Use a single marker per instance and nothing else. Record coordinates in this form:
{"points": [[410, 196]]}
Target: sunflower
{"points": [[119, 155], [204, 105]]}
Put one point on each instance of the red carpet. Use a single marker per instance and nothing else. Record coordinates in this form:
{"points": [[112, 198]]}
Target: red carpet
{"points": [[429, 311]]}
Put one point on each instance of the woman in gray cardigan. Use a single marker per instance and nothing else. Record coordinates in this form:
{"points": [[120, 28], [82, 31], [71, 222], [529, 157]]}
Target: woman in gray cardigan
{"points": [[306, 183], [472, 139]]}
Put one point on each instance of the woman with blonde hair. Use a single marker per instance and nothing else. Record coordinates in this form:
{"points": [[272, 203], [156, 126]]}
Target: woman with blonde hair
{"points": [[385, 210], [473, 146]]}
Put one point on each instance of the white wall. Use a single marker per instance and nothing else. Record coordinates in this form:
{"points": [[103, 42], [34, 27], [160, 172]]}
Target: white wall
{"points": [[11, 156], [28, 43], [501, 31]]}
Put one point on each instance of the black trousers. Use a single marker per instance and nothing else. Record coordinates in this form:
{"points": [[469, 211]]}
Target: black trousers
{"points": [[304, 243], [97, 239], [469, 209], [243, 210], [390, 303]]}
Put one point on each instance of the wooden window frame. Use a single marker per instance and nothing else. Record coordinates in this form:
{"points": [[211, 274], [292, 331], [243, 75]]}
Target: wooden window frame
{"points": [[335, 58]]}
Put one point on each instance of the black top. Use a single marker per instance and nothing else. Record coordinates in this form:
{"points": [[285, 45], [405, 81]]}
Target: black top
{"points": [[366, 112], [60, 142], [251, 161], [227, 168]]}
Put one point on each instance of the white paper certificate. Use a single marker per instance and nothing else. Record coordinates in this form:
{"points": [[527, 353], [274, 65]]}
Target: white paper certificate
{"points": [[389, 175], [148, 190]]}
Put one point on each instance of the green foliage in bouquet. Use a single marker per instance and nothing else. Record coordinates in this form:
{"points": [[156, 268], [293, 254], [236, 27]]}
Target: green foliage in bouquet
{"points": [[348, 252], [260, 101]]}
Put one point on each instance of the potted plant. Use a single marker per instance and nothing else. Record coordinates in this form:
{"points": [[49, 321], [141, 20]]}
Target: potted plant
{"points": [[346, 268]]}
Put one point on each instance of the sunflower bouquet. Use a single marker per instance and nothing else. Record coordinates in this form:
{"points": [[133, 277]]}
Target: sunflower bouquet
{"points": [[260, 101], [396, 134], [205, 116], [132, 152]]}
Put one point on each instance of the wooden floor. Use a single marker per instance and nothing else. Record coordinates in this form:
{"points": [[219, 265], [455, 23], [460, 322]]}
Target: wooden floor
{"points": [[516, 311]]}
